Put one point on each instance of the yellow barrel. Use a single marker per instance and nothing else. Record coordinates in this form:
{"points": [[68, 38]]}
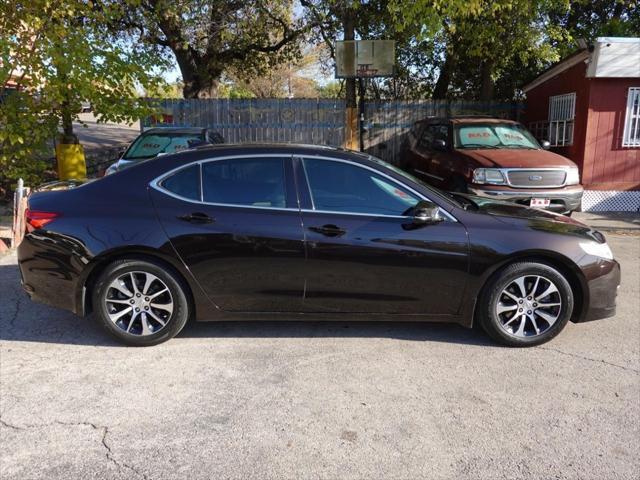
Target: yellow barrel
{"points": [[71, 163]]}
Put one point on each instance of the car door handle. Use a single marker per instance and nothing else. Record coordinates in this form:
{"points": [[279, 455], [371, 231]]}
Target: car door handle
{"points": [[196, 217], [328, 230]]}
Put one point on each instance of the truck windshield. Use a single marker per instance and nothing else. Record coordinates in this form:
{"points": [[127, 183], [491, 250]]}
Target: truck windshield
{"points": [[493, 135]]}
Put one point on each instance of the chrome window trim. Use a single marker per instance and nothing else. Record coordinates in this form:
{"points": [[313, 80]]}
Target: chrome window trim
{"points": [[366, 167], [156, 184]]}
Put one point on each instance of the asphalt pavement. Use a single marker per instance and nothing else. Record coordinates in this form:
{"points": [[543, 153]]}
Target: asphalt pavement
{"points": [[317, 399]]}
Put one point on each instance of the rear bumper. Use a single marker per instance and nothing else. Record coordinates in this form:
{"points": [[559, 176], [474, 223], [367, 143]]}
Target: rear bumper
{"points": [[563, 200]]}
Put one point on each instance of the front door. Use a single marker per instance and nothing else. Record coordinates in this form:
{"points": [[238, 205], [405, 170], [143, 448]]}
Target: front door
{"points": [[236, 224], [363, 253]]}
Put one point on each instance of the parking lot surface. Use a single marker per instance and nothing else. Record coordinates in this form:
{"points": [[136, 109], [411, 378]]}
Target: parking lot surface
{"points": [[318, 400]]}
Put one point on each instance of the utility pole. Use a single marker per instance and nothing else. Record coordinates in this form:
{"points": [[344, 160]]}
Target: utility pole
{"points": [[351, 120]]}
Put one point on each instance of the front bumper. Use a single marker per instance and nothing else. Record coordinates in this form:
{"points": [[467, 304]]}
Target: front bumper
{"points": [[563, 200], [603, 282]]}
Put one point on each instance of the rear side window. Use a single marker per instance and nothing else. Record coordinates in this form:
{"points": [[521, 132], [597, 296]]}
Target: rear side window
{"points": [[255, 182], [185, 183]]}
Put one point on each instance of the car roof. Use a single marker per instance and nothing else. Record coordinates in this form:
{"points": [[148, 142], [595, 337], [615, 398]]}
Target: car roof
{"points": [[458, 119], [285, 148], [176, 130]]}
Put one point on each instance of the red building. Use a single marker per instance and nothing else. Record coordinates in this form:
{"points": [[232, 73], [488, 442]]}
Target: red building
{"points": [[588, 107]]}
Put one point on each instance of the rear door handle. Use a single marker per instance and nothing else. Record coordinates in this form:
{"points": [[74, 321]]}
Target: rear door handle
{"points": [[196, 217], [328, 230]]}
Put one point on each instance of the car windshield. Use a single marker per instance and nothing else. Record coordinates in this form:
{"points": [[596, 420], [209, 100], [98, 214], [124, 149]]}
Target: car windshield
{"points": [[493, 135], [153, 144]]}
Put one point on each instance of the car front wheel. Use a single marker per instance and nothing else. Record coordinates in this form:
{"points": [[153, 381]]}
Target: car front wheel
{"points": [[526, 304], [140, 302]]}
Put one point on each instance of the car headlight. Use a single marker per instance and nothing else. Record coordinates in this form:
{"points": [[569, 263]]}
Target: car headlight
{"points": [[596, 249], [488, 175], [573, 176]]}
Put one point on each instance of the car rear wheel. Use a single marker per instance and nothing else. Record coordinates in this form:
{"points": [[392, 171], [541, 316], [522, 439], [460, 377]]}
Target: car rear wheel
{"points": [[526, 304], [140, 302]]}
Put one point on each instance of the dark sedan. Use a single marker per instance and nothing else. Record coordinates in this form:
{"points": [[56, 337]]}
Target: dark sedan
{"points": [[301, 232]]}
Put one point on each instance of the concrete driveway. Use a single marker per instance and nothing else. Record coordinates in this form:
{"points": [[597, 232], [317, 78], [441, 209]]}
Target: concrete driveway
{"points": [[318, 400]]}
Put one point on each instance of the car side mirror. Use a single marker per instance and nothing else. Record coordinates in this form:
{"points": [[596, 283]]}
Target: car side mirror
{"points": [[424, 213], [439, 144], [546, 144]]}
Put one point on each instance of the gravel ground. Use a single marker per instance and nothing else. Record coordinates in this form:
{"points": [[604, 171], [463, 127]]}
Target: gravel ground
{"points": [[318, 400]]}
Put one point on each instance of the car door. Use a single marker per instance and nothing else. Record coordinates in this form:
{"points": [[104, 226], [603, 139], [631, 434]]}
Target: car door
{"points": [[429, 162], [363, 253], [235, 223]]}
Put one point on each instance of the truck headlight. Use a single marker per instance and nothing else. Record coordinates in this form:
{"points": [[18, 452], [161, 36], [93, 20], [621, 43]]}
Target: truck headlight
{"points": [[573, 176], [488, 175], [596, 249]]}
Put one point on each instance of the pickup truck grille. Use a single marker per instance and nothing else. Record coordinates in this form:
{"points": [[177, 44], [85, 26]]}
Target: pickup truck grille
{"points": [[536, 178]]}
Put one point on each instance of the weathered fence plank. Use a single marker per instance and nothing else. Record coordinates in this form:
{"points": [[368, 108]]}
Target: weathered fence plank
{"points": [[315, 121]]}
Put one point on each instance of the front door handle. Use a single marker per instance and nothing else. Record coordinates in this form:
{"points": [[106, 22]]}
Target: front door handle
{"points": [[328, 230], [196, 217]]}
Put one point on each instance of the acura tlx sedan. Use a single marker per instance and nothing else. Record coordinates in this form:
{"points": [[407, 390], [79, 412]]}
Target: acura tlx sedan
{"points": [[301, 232]]}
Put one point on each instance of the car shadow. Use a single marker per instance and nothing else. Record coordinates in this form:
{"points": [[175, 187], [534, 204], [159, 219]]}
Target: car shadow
{"points": [[22, 320]]}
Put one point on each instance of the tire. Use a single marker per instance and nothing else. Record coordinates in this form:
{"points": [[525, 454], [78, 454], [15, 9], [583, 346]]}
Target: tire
{"points": [[544, 315], [160, 314]]}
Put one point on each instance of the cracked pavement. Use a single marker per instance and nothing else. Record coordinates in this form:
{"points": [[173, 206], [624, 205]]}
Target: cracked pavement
{"points": [[325, 400]]}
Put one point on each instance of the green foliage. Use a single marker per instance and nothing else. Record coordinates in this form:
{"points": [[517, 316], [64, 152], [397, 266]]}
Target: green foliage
{"points": [[53, 56]]}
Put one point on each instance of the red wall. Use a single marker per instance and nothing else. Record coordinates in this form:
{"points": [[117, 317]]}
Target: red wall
{"points": [[537, 106], [598, 127], [607, 165]]}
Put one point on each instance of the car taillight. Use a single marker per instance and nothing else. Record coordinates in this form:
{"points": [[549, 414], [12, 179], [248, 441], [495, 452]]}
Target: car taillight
{"points": [[36, 219]]}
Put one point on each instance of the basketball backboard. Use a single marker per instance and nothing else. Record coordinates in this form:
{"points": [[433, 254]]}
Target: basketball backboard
{"points": [[365, 58]]}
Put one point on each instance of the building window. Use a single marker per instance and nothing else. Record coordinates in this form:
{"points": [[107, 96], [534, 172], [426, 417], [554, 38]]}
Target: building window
{"points": [[631, 137], [562, 111]]}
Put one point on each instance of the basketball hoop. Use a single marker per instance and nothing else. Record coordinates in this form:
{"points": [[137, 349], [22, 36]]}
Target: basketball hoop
{"points": [[365, 58]]}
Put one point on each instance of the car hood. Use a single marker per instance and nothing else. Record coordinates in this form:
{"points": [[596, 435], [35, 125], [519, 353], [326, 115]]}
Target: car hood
{"points": [[537, 219], [516, 158]]}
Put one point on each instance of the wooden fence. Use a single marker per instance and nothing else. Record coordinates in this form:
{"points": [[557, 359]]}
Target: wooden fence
{"points": [[315, 121]]}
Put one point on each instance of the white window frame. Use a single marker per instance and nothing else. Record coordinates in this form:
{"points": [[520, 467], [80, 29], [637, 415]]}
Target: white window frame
{"points": [[631, 136], [562, 112]]}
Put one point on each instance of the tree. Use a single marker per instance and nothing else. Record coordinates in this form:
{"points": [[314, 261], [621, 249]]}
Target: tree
{"points": [[52, 58], [211, 37]]}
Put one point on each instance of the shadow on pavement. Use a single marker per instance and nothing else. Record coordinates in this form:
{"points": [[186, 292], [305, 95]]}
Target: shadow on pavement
{"points": [[22, 320]]}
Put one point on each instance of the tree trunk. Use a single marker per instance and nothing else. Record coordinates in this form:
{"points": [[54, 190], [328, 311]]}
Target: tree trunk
{"points": [[444, 78], [486, 80]]}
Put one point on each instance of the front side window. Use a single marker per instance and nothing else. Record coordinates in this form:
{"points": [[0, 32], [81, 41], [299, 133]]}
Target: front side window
{"points": [[257, 182], [344, 187], [631, 136], [184, 183], [494, 135]]}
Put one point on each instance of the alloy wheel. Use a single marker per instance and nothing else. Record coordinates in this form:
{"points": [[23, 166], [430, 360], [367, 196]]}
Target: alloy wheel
{"points": [[139, 303], [529, 306]]}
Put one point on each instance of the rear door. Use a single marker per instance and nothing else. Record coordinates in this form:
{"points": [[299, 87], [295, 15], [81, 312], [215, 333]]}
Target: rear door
{"points": [[235, 223]]}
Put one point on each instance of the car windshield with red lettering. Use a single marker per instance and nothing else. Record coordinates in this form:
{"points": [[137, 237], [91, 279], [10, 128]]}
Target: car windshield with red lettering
{"points": [[494, 135], [148, 146]]}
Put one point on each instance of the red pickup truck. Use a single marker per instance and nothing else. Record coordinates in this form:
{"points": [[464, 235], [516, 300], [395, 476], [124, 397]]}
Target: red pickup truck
{"points": [[492, 158]]}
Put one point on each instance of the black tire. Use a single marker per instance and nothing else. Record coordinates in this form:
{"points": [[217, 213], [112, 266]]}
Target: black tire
{"points": [[175, 320], [493, 293]]}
